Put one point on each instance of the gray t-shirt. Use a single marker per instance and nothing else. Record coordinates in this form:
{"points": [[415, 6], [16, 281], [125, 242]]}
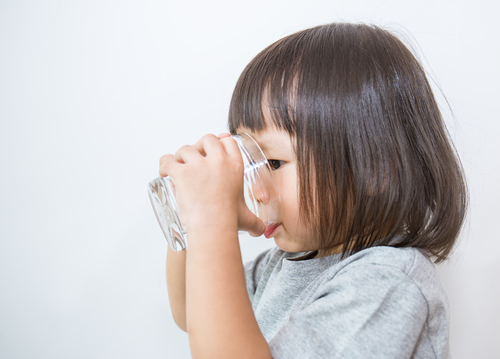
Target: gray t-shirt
{"points": [[382, 302]]}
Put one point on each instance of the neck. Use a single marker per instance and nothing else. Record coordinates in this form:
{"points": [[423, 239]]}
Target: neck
{"points": [[323, 252]]}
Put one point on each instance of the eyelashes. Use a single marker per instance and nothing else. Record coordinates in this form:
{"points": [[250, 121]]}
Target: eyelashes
{"points": [[275, 164]]}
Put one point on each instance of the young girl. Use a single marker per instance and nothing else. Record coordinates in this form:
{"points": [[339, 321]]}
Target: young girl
{"points": [[372, 193]]}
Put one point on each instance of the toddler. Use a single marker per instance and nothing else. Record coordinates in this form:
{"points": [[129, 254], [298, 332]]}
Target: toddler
{"points": [[372, 190]]}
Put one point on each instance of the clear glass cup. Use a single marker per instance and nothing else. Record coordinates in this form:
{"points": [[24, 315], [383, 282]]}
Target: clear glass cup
{"points": [[260, 191]]}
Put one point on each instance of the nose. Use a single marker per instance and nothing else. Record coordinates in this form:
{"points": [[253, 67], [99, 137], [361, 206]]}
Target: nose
{"points": [[260, 194]]}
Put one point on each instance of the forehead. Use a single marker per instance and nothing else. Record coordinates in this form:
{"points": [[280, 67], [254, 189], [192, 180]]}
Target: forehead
{"points": [[270, 139]]}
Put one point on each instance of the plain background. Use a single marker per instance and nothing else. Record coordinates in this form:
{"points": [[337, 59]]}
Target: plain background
{"points": [[92, 93]]}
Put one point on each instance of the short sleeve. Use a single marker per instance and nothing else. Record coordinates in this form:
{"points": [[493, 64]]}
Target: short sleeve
{"points": [[254, 270], [366, 311]]}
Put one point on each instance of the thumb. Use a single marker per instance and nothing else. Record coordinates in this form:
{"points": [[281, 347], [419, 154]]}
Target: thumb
{"points": [[251, 223]]}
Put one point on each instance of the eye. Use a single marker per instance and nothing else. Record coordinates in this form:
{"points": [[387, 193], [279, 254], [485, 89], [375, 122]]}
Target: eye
{"points": [[275, 164]]}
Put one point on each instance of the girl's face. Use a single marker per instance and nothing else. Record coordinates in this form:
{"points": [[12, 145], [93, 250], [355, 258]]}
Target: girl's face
{"points": [[290, 235]]}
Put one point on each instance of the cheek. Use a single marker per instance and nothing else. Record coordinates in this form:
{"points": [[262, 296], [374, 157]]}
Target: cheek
{"points": [[291, 219], [289, 196]]}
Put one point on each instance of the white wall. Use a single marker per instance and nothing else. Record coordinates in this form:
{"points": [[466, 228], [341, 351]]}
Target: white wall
{"points": [[92, 93]]}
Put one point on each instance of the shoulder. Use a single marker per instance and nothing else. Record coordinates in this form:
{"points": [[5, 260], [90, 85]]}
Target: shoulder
{"points": [[377, 274], [375, 271], [403, 259], [393, 266], [385, 267], [407, 263], [379, 295]]}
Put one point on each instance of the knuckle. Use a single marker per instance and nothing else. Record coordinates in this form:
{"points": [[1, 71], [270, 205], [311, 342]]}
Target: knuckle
{"points": [[205, 139], [165, 158], [163, 170], [182, 150]]}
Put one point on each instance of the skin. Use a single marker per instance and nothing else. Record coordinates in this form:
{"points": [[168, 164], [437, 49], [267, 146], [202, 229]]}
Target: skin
{"points": [[291, 235], [213, 304], [206, 283]]}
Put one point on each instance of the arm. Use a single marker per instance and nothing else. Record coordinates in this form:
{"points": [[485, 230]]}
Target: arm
{"points": [[176, 286], [220, 318]]}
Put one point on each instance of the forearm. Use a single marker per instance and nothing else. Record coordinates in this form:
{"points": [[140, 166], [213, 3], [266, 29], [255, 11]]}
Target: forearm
{"points": [[176, 286], [220, 319]]}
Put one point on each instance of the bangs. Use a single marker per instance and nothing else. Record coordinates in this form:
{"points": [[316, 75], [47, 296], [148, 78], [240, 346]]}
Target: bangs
{"points": [[268, 83]]}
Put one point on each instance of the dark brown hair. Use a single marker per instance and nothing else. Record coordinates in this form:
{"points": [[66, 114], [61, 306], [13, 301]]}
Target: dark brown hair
{"points": [[374, 159]]}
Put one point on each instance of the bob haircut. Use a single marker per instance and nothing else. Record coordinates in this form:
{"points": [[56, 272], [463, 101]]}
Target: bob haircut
{"points": [[375, 164]]}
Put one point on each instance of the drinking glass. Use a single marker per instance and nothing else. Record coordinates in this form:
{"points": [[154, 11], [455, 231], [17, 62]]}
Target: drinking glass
{"points": [[260, 192]]}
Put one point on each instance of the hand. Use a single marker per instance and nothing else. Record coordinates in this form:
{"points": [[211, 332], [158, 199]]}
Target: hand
{"points": [[209, 185]]}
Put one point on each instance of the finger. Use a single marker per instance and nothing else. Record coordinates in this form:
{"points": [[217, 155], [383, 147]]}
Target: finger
{"points": [[164, 159], [167, 157], [209, 144], [224, 135], [186, 154], [231, 148], [169, 167], [251, 223]]}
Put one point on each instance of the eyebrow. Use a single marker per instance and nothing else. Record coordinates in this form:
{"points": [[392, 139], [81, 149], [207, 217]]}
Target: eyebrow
{"points": [[267, 143], [275, 145]]}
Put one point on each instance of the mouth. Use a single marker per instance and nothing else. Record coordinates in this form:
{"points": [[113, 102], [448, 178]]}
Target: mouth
{"points": [[270, 229]]}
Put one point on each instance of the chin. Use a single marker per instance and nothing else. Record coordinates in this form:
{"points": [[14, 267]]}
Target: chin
{"points": [[288, 246]]}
